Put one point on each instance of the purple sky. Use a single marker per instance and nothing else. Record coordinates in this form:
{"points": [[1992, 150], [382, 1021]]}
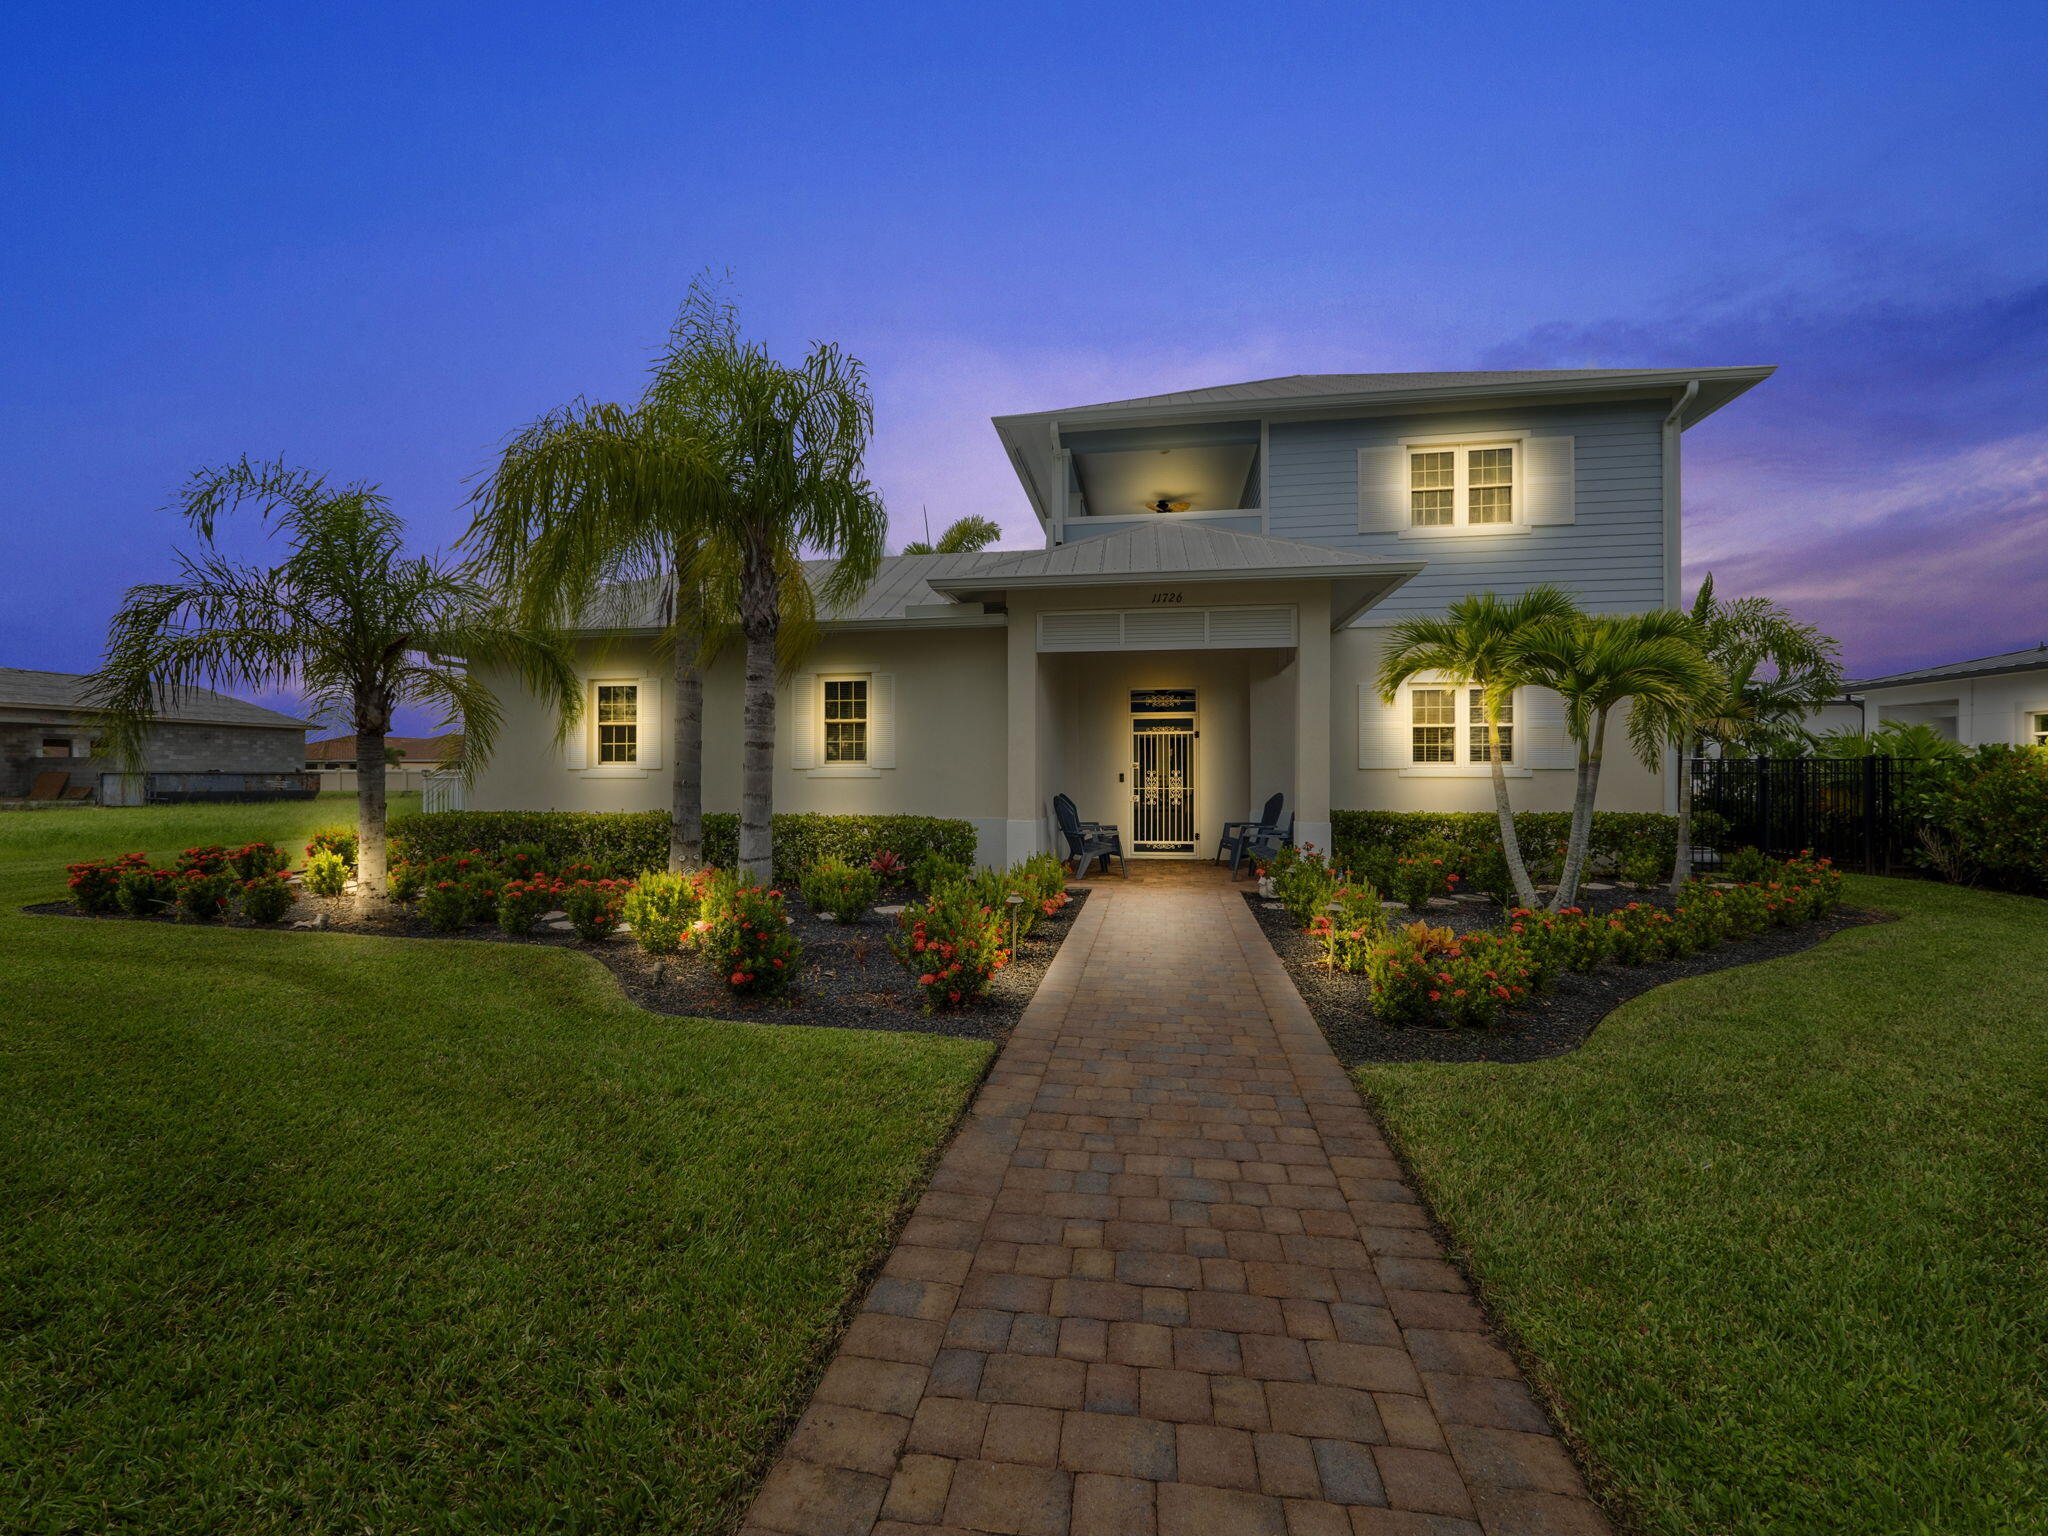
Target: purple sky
{"points": [[375, 244]]}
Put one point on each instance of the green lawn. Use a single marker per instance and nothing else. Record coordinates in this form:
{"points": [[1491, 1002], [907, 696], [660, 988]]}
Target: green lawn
{"points": [[306, 1232], [1777, 1235]]}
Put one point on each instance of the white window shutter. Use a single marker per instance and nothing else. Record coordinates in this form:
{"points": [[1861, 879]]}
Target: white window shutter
{"points": [[1550, 490], [1383, 489], [649, 718], [882, 720], [1542, 741], [576, 746], [1381, 736], [802, 724]]}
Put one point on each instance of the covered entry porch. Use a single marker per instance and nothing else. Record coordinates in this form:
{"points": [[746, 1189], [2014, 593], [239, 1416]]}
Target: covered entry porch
{"points": [[1170, 679]]}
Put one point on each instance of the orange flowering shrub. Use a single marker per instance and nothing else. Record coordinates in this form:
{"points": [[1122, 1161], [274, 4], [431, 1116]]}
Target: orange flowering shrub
{"points": [[953, 945], [747, 940]]}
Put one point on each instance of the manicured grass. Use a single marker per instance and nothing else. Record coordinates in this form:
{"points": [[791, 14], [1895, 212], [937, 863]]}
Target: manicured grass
{"points": [[1776, 1235], [309, 1232]]}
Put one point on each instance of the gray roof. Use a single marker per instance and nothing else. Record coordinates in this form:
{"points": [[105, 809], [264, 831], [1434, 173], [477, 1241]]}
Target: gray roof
{"points": [[2031, 660], [1031, 437], [900, 585], [65, 692], [1170, 547]]}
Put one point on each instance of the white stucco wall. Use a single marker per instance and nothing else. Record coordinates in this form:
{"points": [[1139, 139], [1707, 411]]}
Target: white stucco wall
{"points": [[1975, 711]]}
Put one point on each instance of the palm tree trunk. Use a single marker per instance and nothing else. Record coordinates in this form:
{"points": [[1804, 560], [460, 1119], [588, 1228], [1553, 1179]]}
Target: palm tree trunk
{"points": [[1590, 753], [370, 811], [1511, 845], [760, 621], [686, 807], [1681, 862]]}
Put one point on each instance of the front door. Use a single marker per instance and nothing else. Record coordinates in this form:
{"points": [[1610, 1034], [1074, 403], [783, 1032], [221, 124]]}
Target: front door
{"points": [[1163, 771]]}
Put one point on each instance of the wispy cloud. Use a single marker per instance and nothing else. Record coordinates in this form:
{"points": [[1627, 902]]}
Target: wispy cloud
{"points": [[1890, 483]]}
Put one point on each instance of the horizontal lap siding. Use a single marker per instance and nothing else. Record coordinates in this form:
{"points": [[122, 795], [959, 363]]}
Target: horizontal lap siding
{"points": [[1612, 556]]}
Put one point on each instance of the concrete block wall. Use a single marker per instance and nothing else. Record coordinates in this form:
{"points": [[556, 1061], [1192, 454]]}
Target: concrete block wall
{"points": [[172, 748]]}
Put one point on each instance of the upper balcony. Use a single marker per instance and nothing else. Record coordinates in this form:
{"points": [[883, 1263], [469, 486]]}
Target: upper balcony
{"points": [[1115, 477]]}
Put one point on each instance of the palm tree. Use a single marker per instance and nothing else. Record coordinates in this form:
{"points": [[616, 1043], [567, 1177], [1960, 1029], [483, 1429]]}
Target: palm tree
{"points": [[1473, 646], [788, 442], [347, 618], [594, 505], [1597, 664], [964, 536], [1770, 673]]}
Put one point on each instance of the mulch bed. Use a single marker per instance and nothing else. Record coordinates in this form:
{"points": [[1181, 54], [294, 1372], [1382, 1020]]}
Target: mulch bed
{"points": [[1552, 1024], [849, 979]]}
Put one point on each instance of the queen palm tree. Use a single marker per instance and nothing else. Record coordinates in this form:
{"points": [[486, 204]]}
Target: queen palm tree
{"points": [[1473, 646], [1770, 673], [1597, 664], [597, 508], [963, 536], [347, 618], [788, 443]]}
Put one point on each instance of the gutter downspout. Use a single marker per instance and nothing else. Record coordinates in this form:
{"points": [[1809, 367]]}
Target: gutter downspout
{"points": [[1674, 569]]}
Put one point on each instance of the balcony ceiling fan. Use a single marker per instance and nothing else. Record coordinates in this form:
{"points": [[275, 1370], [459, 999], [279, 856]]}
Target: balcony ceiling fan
{"points": [[1169, 503]]}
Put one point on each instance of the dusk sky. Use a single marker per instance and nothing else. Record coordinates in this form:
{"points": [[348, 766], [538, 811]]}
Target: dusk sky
{"points": [[374, 239]]}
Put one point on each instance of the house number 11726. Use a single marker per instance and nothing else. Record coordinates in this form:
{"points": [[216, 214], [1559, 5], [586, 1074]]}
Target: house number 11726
{"points": [[1165, 597]]}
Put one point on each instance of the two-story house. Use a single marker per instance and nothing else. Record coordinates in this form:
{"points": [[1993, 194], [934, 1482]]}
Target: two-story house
{"points": [[1204, 623]]}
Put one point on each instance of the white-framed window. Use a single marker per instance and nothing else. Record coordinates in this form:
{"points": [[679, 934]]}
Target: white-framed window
{"points": [[2037, 728], [616, 713], [1464, 485], [845, 720], [1447, 727]]}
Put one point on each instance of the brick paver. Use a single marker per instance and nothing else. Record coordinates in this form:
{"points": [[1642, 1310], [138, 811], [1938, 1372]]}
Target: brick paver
{"points": [[1169, 1281]]}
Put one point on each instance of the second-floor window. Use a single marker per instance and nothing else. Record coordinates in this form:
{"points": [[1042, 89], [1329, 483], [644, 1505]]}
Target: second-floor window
{"points": [[1443, 720], [618, 723], [1461, 487]]}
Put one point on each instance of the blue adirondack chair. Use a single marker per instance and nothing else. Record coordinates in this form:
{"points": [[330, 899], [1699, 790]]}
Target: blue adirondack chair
{"points": [[1267, 841], [1088, 841], [1236, 834]]}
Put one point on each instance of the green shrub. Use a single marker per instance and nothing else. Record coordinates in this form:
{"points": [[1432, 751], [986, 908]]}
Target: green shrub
{"points": [[337, 840], [1644, 866], [1356, 835], [839, 890], [1571, 940], [1746, 866], [267, 898], [201, 897], [209, 859], [142, 891], [404, 880], [748, 939], [1995, 808], [326, 872], [1639, 933], [1303, 883], [659, 909], [628, 842], [1348, 931], [1430, 976], [446, 905], [96, 885], [953, 945], [930, 872]]}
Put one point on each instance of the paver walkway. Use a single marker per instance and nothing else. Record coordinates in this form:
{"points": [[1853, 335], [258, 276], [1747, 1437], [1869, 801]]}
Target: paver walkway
{"points": [[1167, 1281]]}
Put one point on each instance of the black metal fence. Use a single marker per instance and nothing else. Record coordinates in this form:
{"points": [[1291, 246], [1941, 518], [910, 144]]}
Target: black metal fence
{"points": [[1855, 810]]}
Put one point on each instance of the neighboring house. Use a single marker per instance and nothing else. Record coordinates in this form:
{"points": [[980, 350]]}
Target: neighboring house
{"points": [[46, 728], [2001, 698], [418, 756], [1171, 668]]}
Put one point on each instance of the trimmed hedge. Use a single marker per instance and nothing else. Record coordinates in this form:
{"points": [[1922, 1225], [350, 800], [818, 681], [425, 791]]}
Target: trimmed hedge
{"points": [[1615, 834], [631, 842]]}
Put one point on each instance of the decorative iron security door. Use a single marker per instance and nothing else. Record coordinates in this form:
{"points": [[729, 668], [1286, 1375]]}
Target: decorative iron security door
{"points": [[1163, 784]]}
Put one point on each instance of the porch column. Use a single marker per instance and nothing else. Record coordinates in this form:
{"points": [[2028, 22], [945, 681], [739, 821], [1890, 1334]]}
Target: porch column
{"points": [[1027, 797], [1312, 721]]}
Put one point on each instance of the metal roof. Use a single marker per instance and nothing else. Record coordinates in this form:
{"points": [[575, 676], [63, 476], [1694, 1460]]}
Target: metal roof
{"points": [[66, 691], [902, 582], [2032, 660], [1170, 547], [1031, 437]]}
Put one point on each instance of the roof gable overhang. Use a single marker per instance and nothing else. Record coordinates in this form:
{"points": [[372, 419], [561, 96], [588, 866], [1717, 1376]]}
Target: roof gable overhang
{"points": [[1031, 439], [1354, 586]]}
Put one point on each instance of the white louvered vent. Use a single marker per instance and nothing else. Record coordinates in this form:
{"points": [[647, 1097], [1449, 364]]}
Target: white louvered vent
{"points": [[1166, 629], [1251, 626]]}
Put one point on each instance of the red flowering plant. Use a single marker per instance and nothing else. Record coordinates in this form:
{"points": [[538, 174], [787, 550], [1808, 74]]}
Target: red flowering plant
{"points": [[1355, 922], [142, 891], [1816, 882], [954, 944], [593, 906], [252, 861], [1430, 976], [201, 896], [1572, 939], [522, 902], [207, 859], [1639, 933], [1746, 910], [267, 898], [1428, 868], [748, 940], [446, 905], [96, 884]]}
